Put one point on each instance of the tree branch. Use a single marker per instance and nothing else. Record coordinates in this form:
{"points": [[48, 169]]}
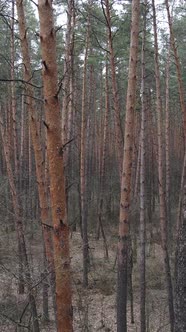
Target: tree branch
{"points": [[20, 81]]}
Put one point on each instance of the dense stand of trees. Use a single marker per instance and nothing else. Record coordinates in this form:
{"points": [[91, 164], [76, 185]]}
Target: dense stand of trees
{"points": [[93, 129]]}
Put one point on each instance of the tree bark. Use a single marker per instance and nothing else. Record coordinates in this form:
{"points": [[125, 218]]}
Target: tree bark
{"points": [[56, 169], [82, 161], [126, 174], [68, 61], [103, 163], [142, 182], [13, 97], [167, 137]]}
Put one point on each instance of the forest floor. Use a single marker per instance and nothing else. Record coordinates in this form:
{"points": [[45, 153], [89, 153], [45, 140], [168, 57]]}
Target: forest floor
{"points": [[94, 308]]}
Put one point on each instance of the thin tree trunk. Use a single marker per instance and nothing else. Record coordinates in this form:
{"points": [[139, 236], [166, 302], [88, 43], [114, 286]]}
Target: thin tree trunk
{"points": [[163, 217], [182, 102], [119, 133], [71, 79], [180, 289], [183, 176], [36, 140], [142, 183], [21, 151], [129, 277], [56, 169], [137, 175], [82, 163], [103, 161], [167, 138], [13, 112], [19, 228], [67, 70], [45, 297], [179, 212], [13, 92], [123, 241], [178, 68]]}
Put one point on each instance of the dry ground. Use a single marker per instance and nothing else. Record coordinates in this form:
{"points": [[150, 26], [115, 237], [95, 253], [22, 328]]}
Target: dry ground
{"points": [[95, 307]]}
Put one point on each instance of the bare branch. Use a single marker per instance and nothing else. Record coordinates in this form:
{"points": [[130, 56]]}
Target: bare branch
{"points": [[21, 81]]}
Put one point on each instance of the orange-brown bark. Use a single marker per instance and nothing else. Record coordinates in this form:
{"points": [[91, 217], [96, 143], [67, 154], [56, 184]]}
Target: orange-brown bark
{"points": [[56, 169], [123, 241]]}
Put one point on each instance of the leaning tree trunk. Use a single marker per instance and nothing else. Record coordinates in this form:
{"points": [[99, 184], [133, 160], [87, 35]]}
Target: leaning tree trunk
{"points": [[56, 169], [126, 174], [163, 216]]}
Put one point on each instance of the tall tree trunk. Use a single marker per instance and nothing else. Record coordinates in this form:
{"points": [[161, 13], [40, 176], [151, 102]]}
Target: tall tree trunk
{"points": [[167, 137], [142, 181], [56, 169], [13, 97], [126, 174], [71, 78], [67, 70], [21, 151], [118, 127], [137, 175], [82, 161], [163, 217], [103, 161]]}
